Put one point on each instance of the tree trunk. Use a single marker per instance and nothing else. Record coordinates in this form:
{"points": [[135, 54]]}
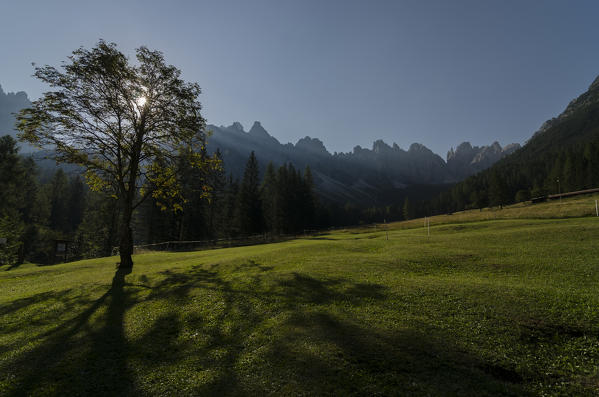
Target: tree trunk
{"points": [[126, 244]]}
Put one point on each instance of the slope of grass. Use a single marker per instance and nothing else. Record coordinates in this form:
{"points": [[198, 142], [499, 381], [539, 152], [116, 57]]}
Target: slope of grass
{"points": [[572, 207], [501, 307]]}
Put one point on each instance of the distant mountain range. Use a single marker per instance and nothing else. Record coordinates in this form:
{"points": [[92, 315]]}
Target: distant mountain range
{"points": [[575, 127], [363, 176], [11, 103], [562, 156]]}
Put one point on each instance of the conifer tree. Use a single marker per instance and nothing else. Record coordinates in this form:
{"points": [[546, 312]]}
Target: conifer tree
{"points": [[249, 208], [269, 198], [309, 199], [228, 223], [408, 209], [58, 194], [498, 190], [76, 200]]}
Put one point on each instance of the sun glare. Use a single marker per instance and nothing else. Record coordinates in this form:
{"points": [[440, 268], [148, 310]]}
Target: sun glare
{"points": [[141, 101]]}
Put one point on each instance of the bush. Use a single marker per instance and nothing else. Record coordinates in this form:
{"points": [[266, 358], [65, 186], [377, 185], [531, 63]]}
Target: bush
{"points": [[11, 229], [522, 195]]}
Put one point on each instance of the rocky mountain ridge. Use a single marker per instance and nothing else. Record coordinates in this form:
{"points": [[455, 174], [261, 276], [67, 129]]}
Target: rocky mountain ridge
{"points": [[466, 159], [586, 99], [10, 104], [362, 175]]}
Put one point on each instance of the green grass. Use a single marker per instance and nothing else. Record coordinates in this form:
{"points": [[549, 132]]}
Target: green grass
{"points": [[481, 307], [578, 206]]}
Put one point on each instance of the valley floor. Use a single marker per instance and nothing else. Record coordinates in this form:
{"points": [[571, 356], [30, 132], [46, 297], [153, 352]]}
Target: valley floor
{"points": [[481, 307]]}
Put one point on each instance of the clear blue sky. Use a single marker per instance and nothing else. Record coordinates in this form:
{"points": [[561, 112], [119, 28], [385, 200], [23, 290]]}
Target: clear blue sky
{"points": [[348, 72]]}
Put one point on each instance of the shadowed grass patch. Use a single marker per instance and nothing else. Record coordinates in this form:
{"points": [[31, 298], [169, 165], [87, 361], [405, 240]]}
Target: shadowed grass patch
{"points": [[490, 308]]}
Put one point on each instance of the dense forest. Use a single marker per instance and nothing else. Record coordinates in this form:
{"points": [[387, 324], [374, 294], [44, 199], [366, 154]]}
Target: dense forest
{"points": [[522, 178], [563, 156], [37, 209]]}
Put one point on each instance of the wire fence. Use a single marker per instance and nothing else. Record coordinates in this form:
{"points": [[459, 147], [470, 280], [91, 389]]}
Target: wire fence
{"points": [[196, 245], [211, 243]]}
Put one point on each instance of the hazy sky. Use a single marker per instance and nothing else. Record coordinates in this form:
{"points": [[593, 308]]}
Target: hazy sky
{"points": [[347, 72]]}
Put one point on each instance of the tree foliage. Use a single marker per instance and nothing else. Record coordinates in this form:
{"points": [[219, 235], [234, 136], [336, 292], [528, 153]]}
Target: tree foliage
{"points": [[128, 125]]}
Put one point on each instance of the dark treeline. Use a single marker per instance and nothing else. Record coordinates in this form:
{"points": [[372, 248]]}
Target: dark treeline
{"points": [[37, 211], [523, 176], [282, 202], [563, 156]]}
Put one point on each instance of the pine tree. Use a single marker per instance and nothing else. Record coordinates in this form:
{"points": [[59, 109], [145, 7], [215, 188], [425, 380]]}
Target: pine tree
{"points": [[58, 194], [568, 179], [282, 200], [498, 191], [215, 205], [309, 199], [408, 209], [228, 224], [249, 210], [268, 193], [75, 203]]}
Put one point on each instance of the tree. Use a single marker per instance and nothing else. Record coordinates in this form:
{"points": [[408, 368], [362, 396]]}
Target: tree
{"points": [[498, 190], [11, 231], [12, 174], [229, 226], [408, 209], [308, 199], [522, 195], [249, 208], [269, 194], [17, 196], [76, 201], [127, 124], [57, 193], [96, 234], [216, 205]]}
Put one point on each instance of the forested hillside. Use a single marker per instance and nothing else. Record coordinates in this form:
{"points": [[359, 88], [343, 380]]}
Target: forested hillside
{"points": [[35, 213], [270, 194], [562, 156], [364, 177]]}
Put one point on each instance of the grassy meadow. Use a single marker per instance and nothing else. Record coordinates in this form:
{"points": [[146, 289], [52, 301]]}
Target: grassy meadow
{"points": [[493, 302]]}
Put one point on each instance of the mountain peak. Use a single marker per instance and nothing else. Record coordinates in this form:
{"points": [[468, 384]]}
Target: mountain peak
{"points": [[586, 99], [418, 147], [510, 148], [464, 146], [379, 146], [237, 126], [496, 146], [462, 151], [312, 145], [19, 96], [258, 131]]}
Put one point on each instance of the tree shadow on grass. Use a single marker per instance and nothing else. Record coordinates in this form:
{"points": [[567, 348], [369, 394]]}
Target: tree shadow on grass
{"points": [[311, 350], [25, 303], [85, 356], [323, 354], [12, 267], [286, 334], [321, 238]]}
